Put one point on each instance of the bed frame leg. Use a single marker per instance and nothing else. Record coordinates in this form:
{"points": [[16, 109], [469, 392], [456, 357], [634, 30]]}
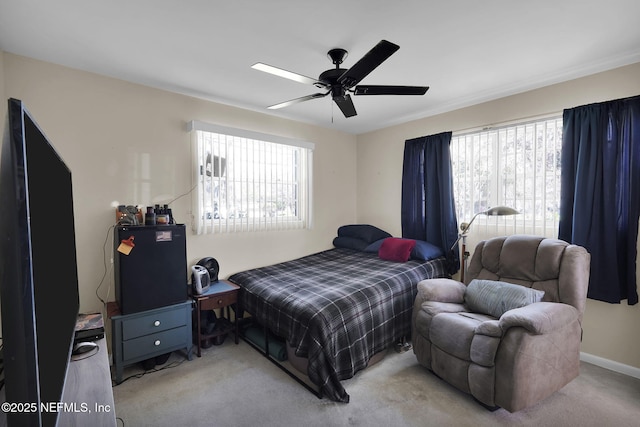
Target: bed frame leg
{"points": [[403, 345]]}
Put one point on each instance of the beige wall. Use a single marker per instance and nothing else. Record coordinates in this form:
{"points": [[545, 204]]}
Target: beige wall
{"points": [[609, 330], [106, 129]]}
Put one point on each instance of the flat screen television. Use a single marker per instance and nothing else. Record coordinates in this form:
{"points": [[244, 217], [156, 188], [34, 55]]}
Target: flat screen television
{"points": [[39, 279]]}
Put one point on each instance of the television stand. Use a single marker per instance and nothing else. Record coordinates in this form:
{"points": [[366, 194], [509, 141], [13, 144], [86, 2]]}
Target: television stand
{"points": [[87, 399], [88, 387]]}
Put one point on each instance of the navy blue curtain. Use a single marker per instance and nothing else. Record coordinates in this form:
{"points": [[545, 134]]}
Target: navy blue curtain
{"points": [[600, 196], [428, 210]]}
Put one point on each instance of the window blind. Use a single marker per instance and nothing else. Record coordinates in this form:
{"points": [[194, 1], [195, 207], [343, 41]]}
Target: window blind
{"points": [[249, 181], [517, 165]]}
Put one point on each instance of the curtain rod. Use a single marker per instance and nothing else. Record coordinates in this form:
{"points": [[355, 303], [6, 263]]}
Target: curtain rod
{"points": [[520, 121]]}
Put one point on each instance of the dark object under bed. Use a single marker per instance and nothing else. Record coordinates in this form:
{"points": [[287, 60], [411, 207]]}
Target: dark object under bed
{"points": [[337, 308]]}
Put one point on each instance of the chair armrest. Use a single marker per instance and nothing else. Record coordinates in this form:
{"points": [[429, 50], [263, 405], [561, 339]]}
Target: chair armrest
{"points": [[540, 317], [490, 328], [441, 290]]}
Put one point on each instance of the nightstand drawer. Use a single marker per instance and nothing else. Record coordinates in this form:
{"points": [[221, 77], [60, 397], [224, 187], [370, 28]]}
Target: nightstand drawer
{"points": [[143, 335], [156, 342], [219, 301], [153, 323]]}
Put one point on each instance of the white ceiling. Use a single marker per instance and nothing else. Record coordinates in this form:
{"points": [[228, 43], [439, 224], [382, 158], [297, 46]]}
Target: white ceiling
{"points": [[467, 51]]}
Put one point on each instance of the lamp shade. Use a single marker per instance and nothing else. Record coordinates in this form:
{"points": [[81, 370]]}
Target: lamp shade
{"points": [[495, 211], [501, 210]]}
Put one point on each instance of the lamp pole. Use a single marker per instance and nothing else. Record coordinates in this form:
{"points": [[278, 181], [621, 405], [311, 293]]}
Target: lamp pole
{"points": [[465, 255], [464, 229]]}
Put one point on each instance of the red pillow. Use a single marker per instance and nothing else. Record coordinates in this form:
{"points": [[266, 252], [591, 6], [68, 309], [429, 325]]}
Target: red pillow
{"points": [[396, 249]]}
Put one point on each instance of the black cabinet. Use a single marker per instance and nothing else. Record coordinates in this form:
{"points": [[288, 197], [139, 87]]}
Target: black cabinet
{"points": [[150, 267]]}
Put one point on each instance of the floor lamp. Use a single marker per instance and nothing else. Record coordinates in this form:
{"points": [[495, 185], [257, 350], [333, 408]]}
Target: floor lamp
{"points": [[464, 229]]}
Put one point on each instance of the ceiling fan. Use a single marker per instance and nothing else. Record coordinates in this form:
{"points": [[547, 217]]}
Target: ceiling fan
{"points": [[339, 82]]}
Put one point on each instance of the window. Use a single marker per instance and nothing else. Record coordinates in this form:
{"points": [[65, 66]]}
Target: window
{"points": [[249, 181], [516, 166]]}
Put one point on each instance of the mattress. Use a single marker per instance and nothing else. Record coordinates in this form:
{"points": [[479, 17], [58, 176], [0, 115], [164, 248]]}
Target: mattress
{"points": [[337, 308]]}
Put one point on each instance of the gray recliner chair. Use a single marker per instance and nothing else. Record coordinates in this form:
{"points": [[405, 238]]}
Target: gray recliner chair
{"points": [[498, 337]]}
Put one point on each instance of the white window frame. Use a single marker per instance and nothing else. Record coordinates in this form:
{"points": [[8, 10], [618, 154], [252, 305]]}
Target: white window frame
{"points": [[242, 156], [520, 168]]}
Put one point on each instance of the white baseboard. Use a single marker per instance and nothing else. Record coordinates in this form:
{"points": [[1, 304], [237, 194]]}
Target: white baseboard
{"points": [[629, 370]]}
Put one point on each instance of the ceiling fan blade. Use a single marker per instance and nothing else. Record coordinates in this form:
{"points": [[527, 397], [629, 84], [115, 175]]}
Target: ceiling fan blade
{"points": [[286, 74], [297, 100], [390, 90], [345, 104], [368, 63]]}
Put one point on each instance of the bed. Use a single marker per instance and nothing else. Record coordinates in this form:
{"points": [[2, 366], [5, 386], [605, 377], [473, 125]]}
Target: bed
{"points": [[337, 308]]}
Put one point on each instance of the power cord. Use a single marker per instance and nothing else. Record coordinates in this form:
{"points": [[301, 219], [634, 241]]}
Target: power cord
{"points": [[174, 364], [184, 194], [104, 260]]}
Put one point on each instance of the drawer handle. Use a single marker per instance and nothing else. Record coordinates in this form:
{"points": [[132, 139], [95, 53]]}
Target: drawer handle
{"points": [[156, 343], [156, 323]]}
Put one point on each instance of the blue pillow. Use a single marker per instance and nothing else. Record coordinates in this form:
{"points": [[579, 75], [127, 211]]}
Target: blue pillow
{"points": [[424, 251], [375, 246], [496, 298], [367, 233], [349, 243]]}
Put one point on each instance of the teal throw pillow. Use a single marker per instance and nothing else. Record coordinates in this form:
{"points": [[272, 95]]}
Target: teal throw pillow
{"points": [[495, 298]]}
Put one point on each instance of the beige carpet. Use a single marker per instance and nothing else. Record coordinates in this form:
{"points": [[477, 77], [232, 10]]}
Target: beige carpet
{"points": [[233, 385]]}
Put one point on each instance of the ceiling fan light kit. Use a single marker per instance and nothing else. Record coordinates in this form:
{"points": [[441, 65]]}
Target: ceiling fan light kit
{"points": [[339, 82]]}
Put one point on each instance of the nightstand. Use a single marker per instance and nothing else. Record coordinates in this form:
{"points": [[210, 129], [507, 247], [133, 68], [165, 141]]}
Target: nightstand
{"points": [[143, 335], [221, 294]]}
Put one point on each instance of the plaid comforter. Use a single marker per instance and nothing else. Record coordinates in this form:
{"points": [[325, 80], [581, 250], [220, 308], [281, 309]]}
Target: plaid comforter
{"points": [[337, 308]]}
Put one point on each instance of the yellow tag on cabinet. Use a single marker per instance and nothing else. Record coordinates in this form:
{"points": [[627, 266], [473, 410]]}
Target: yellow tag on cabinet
{"points": [[124, 249], [126, 246]]}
